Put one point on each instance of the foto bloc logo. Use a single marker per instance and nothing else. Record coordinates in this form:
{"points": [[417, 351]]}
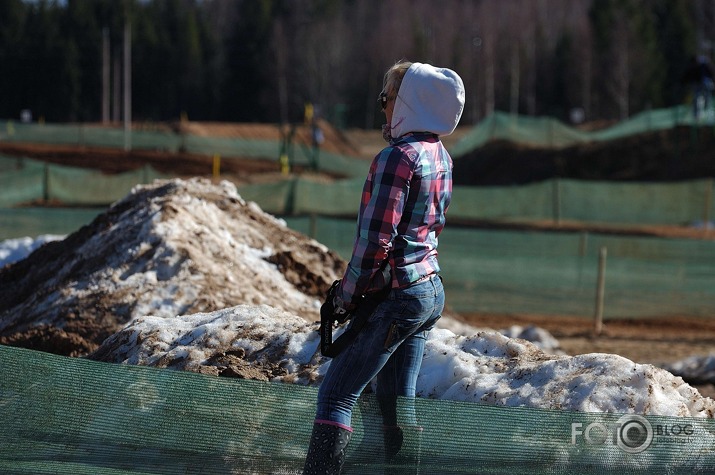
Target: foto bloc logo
{"points": [[631, 433]]}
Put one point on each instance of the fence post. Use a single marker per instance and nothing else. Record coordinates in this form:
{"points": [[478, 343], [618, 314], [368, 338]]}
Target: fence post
{"points": [[707, 205], [46, 182], [313, 228], [216, 170], [583, 243], [600, 291], [556, 200]]}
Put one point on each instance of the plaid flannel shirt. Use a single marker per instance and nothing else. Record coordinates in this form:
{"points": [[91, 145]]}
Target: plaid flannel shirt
{"points": [[402, 211]]}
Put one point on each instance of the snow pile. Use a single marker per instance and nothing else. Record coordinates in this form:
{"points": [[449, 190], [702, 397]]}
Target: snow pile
{"points": [[544, 340], [173, 247], [266, 343], [695, 369], [254, 342], [538, 336], [491, 368]]}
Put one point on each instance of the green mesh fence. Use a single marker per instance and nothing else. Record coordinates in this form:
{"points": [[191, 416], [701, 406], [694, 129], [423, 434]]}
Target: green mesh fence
{"points": [[635, 203], [25, 180], [602, 202], [509, 271], [556, 273], [232, 148], [33, 222], [70, 134], [72, 416], [21, 181], [533, 131], [533, 201], [679, 203], [648, 121], [492, 271], [676, 203], [334, 199], [547, 273], [546, 132], [84, 187], [342, 165], [274, 198]]}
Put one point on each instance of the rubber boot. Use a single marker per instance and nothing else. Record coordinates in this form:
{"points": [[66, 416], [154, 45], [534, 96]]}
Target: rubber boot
{"points": [[326, 453], [402, 449]]}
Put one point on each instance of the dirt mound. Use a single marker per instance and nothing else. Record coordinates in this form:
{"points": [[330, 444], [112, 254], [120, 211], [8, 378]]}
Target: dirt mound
{"points": [[186, 165], [302, 135], [173, 247], [667, 155], [112, 161]]}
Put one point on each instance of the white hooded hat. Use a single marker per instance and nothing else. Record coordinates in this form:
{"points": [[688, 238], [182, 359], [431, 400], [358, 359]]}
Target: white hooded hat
{"points": [[430, 99]]}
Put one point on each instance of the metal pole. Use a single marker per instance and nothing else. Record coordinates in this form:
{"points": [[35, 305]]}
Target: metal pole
{"points": [[105, 75], [313, 226], [707, 205], [600, 291], [556, 201], [583, 244], [116, 89], [127, 86]]}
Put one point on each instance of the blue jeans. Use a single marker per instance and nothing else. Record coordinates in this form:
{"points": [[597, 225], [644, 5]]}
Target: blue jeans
{"points": [[390, 347]]}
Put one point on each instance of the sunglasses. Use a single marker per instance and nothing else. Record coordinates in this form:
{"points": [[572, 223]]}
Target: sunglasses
{"points": [[383, 99]]}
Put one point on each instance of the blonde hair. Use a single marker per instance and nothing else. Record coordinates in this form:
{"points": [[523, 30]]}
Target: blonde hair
{"points": [[393, 77]]}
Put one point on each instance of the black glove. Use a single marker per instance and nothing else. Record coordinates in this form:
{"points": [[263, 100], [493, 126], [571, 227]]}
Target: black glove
{"points": [[331, 311]]}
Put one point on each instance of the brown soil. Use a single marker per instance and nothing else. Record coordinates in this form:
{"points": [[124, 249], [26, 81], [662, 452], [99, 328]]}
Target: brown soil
{"points": [[237, 169], [666, 155], [683, 232], [117, 161]]}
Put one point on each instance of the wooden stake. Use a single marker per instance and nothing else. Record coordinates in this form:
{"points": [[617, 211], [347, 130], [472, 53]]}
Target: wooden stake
{"points": [[217, 166], [600, 291], [556, 201], [708, 203]]}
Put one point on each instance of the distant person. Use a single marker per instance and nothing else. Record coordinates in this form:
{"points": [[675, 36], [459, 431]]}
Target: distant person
{"points": [[699, 77], [317, 139], [402, 212]]}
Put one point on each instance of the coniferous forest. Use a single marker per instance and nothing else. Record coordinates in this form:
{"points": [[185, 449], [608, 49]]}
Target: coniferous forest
{"points": [[262, 60]]}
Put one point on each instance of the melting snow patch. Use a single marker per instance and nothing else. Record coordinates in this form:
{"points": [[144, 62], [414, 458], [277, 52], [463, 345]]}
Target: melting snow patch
{"points": [[695, 369], [487, 367]]}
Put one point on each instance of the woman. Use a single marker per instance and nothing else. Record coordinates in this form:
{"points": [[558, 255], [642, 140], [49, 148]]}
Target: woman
{"points": [[402, 211]]}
